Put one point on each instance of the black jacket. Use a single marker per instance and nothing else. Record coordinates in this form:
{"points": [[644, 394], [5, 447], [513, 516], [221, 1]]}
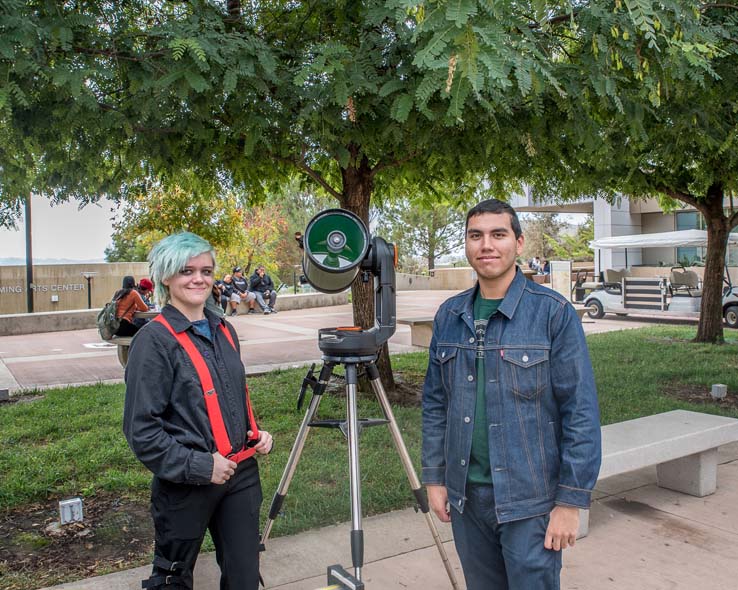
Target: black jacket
{"points": [[240, 284], [164, 418], [226, 288], [261, 284]]}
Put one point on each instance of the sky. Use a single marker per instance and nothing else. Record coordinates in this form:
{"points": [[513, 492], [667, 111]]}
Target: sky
{"points": [[62, 231]]}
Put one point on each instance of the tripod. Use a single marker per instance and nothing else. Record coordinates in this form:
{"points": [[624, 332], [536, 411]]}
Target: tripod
{"points": [[351, 428]]}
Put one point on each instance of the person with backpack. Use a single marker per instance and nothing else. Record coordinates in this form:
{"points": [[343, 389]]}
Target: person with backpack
{"points": [[188, 419], [128, 301]]}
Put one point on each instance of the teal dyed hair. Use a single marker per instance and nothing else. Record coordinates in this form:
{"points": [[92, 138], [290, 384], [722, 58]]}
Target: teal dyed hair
{"points": [[170, 255]]}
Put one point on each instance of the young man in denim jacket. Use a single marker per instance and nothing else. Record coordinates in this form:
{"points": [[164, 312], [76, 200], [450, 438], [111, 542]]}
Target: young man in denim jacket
{"points": [[511, 433]]}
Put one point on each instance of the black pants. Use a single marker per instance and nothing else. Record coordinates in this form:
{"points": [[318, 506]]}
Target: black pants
{"points": [[126, 328], [182, 513]]}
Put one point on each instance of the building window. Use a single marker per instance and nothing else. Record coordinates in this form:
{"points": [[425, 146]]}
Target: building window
{"points": [[690, 256]]}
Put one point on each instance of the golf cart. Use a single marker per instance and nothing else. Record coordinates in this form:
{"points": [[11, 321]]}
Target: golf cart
{"points": [[676, 294]]}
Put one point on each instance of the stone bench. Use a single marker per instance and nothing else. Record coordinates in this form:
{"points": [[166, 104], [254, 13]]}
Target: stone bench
{"points": [[683, 446], [421, 330], [123, 343]]}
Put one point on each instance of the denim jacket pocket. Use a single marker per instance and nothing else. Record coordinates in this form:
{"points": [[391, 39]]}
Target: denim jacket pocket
{"points": [[527, 370], [445, 356]]}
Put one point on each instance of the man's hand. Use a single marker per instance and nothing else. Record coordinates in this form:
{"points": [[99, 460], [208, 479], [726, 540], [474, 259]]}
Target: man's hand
{"points": [[264, 446], [438, 500], [223, 469], [562, 528]]}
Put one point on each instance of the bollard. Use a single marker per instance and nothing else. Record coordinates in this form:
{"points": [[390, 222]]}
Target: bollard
{"points": [[719, 391], [70, 510]]}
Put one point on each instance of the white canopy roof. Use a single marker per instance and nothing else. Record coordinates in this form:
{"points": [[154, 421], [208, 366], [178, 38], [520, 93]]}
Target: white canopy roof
{"points": [[669, 239]]}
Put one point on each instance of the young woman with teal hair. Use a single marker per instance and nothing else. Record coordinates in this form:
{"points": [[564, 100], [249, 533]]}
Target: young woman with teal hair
{"points": [[188, 419]]}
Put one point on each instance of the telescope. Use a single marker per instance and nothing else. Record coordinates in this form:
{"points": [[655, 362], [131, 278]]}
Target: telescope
{"points": [[337, 248]]}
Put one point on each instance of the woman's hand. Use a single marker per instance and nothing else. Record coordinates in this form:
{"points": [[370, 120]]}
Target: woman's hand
{"points": [[264, 446], [223, 469]]}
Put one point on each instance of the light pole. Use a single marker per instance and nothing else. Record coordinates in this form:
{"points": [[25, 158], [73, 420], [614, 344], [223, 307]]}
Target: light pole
{"points": [[29, 256], [88, 274]]}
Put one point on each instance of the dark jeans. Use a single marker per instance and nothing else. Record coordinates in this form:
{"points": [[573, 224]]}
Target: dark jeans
{"points": [[230, 511], [508, 556]]}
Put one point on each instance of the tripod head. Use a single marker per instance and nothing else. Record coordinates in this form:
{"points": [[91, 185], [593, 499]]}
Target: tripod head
{"points": [[337, 247]]}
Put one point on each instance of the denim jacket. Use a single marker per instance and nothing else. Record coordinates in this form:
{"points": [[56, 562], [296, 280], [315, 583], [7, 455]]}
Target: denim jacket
{"points": [[542, 412]]}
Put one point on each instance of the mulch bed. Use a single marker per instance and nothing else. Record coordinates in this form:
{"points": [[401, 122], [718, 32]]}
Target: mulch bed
{"points": [[116, 534], [700, 394]]}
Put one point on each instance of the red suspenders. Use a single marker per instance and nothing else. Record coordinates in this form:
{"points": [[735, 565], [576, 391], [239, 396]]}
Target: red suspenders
{"points": [[222, 443]]}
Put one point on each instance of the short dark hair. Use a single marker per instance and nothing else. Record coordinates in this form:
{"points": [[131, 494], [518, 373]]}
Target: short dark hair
{"points": [[496, 206]]}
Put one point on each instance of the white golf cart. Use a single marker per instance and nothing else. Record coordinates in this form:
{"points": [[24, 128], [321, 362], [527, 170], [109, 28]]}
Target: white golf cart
{"points": [[677, 293]]}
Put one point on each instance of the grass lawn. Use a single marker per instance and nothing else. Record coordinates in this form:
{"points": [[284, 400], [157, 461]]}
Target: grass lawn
{"points": [[69, 442]]}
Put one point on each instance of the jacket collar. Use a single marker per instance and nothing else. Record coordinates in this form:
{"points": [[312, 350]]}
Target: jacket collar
{"points": [[514, 293], [180, 323], [465, 304]]}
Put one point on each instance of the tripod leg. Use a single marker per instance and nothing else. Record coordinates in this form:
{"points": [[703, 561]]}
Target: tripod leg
{"points": [[418, 490], [357, 534], [289, 470]]}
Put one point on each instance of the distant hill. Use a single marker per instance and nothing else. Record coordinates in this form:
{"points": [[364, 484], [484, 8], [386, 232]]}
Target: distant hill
{"points": [[38, 261]]}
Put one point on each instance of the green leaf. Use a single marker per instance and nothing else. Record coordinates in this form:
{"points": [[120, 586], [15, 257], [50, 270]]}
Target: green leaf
{"points": [[390, 87], [459, 11], [343, 156], [196, 81], [401, 108]]}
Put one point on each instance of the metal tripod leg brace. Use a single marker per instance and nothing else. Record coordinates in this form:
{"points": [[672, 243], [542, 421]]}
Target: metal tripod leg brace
{"points": [[351, 428]]}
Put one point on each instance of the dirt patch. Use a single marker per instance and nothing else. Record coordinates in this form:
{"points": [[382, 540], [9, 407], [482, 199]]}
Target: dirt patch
{"points": [[699, 394], [35, 551]]}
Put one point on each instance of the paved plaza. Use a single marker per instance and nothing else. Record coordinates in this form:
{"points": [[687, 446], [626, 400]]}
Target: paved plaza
{"points": [[287, 339]]}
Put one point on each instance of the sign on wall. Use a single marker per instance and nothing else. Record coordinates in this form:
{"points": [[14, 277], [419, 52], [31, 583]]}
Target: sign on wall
{"points": [[561, 277]]}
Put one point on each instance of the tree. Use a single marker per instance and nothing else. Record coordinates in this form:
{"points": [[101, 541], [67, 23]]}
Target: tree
{"points": [[540, 230], [253, 238], [426, 231], [634, 98], [127, 248], [99, 96], [575, 247], [242, 235], [676, 140], [298, 206]]}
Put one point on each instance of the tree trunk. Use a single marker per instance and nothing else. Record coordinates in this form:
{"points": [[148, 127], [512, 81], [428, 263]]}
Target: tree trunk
{"points": [[710, 328], [431, 250], [356, 196]]}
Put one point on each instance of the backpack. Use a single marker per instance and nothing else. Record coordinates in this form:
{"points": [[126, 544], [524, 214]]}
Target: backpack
{"points": [[107, 322]]}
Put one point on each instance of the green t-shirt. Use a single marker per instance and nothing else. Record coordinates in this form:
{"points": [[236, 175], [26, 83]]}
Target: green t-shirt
{"points": [[479, 468]]}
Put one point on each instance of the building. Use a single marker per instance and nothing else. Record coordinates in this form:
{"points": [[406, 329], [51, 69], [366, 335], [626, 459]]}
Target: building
{"points": [[626, 217]]}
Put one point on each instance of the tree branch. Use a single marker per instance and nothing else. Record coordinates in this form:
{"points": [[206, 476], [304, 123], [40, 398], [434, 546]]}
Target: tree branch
{"points": [[718, 5], [300, 164], [684, 198], [553, 20], [733, 220], [111, 53], [396, 162]]}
